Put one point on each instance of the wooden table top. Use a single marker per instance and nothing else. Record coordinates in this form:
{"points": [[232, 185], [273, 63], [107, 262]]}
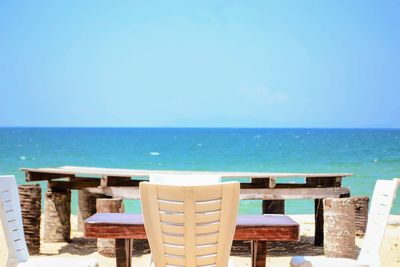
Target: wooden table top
{"points": [[75, 170], [248, 227]]}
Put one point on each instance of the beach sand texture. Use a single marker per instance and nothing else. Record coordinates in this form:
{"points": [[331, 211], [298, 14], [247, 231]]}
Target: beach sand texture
{"points": [[279, 254]]}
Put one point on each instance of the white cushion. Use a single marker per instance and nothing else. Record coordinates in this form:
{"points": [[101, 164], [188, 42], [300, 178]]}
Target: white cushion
{"points": [[75, 261], [322, 261]]}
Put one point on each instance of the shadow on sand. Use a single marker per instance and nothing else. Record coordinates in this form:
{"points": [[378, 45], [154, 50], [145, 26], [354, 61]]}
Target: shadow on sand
{"points": [[80, 246]]}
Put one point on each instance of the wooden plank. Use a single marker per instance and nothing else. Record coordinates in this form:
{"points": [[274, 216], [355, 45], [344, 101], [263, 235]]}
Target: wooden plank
{"points": [[292, 193], [324, 181], [76, 184], [259, 182], [245, 194], [114, 231], [44, 176], [73, 170], [118, 192], [117, 181], [248, 227], [80, 183], [280, 185]]}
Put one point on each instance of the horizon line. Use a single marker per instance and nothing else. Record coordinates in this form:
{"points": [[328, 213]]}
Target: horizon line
{"points": [[200, 127]]}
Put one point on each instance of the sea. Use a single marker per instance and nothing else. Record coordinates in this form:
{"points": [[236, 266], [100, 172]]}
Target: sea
{"points": [[369, 154]]}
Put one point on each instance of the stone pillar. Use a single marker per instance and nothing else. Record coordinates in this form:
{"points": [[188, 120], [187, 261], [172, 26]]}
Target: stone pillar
{"points": [[339, 228], [57, 225], [31, 197], [106, 246], [86, 206]]}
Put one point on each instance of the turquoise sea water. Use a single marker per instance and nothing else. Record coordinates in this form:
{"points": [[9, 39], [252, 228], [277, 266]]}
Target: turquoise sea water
{"points": [[368, 154]]}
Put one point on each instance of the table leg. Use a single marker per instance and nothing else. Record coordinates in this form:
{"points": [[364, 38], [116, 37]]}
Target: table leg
{"points": [[123, 252], [319, 222], [273, 206], [258, 253]]}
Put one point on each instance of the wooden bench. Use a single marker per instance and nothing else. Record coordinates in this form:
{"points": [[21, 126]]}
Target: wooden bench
{"points": [[258, 229]]}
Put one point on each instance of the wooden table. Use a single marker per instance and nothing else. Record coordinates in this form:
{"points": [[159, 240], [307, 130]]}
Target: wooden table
{"points": [[123, 183], [257, 228]]}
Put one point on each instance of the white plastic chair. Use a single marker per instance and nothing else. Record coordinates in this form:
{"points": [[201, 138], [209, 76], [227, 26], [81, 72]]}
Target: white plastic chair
{"points": [[190, 225], [184, 179], [11, 220], [382, 201]]}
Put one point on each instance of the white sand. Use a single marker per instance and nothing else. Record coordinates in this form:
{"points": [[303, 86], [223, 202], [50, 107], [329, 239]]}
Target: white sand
{"points": [[390, 253]]}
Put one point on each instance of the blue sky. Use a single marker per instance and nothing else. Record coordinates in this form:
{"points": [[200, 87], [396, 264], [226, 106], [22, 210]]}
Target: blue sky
{"points": [[200, 63]]}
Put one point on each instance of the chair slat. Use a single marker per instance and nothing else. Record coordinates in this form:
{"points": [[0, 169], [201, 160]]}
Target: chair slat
{"points": [[164, 192], [206, 249], [207, 217], [172, 229], [5, 196], [207, 193], [175, 260], [173, 218], [208, 207], [206, 260], [174, 240], [7, 205], [15, 234], [19, 244], [176, 250], [170, 207], [207, 228], [206, 239], [203, 193], [10, 216]]}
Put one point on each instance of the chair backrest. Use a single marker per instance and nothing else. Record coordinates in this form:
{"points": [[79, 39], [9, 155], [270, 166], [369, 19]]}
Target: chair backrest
{"points": [[11, 220], [184, 179], [190, 225], [381, 204]]}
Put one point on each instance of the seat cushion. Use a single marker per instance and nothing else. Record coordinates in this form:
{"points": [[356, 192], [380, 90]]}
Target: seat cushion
{"points": [[75, 261], [322, 261]]}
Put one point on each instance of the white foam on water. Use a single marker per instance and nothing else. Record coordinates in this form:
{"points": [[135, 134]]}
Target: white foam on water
{"points": [[22, 158], [154, 153]]}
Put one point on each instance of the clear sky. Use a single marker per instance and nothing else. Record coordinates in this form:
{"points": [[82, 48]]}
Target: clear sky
{"points": [[200, 63]]}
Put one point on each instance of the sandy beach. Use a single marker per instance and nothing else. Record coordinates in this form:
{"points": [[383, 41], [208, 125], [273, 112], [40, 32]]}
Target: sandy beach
{"points": [[279, 254]]}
